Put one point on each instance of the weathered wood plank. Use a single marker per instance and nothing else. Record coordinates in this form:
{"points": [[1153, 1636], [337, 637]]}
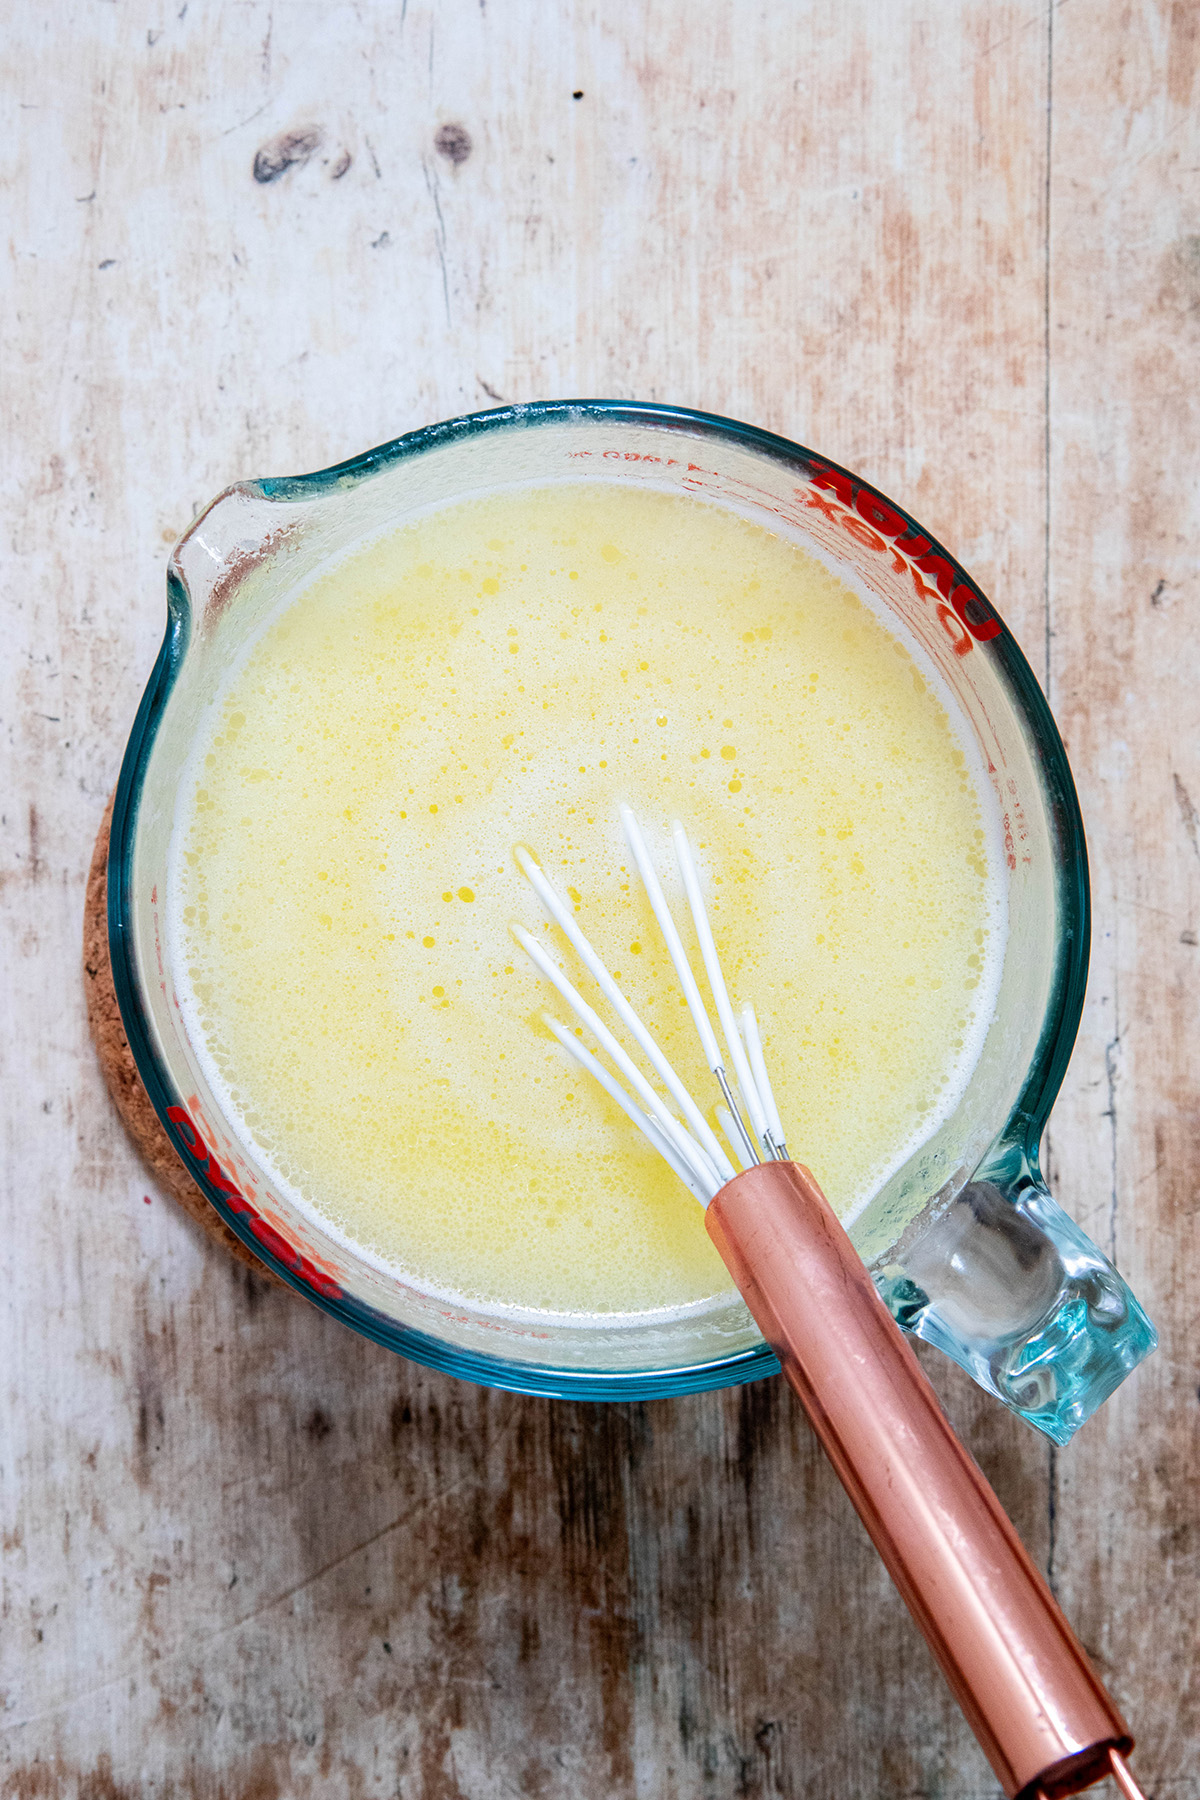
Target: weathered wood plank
{"points": [[1123, 588], [245, 1553]]}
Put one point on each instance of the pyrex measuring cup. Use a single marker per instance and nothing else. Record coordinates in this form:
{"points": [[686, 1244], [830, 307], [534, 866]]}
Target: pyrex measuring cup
{"points": [[964, 1241]]}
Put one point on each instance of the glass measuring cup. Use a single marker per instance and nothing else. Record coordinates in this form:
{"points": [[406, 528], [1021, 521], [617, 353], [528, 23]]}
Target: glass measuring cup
{"points": [[964, 1241]]}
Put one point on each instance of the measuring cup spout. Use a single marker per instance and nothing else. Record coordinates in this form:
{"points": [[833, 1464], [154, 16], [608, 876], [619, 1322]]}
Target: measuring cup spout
{"points": [[1008, 1285]]}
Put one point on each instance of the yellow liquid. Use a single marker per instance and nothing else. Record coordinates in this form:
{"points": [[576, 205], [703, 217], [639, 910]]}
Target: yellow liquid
{"points": [[512, 670]]}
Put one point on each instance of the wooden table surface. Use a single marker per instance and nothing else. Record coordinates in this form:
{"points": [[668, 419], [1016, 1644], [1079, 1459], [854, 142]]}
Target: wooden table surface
{"points": [[954, 244]]}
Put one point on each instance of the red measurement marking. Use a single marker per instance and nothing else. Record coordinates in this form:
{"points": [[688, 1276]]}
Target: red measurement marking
{"points": [[266, 1233], [955, 630]]}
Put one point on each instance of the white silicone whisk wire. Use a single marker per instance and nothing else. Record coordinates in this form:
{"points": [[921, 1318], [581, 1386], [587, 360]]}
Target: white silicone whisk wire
{"points": [[687, 1146], [556, 906], [695, 1155], [683, 968], [762, 1082], [716, 982], [643, 1121]]}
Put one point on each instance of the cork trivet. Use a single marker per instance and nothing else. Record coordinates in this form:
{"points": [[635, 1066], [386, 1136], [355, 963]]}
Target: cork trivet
{"points": [[120, 1070]]}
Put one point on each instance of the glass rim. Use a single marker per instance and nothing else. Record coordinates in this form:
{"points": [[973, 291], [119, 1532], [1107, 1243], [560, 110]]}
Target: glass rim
{"points": [[1019, 1136]]}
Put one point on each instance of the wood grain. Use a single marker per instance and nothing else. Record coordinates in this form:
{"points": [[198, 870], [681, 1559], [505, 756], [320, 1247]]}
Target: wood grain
{"points": [[953, 245], [1122, 588]]}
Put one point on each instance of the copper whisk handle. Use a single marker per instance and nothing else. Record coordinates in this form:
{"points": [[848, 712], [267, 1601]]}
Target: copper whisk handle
{"points": [[1013, 1663]]}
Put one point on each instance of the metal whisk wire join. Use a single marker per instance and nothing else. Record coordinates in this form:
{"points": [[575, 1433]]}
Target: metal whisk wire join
{"points": [[693, 1150]]}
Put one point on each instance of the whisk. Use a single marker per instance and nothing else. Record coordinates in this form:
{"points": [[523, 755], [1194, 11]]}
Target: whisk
{"points": [[1045, 1723]]}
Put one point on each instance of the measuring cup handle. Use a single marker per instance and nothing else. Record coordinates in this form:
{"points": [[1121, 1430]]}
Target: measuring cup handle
{"points": [[1008, 1286]]}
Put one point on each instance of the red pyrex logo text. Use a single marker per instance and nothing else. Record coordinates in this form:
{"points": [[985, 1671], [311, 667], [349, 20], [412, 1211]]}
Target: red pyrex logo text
{"points": [[872, 523]]}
